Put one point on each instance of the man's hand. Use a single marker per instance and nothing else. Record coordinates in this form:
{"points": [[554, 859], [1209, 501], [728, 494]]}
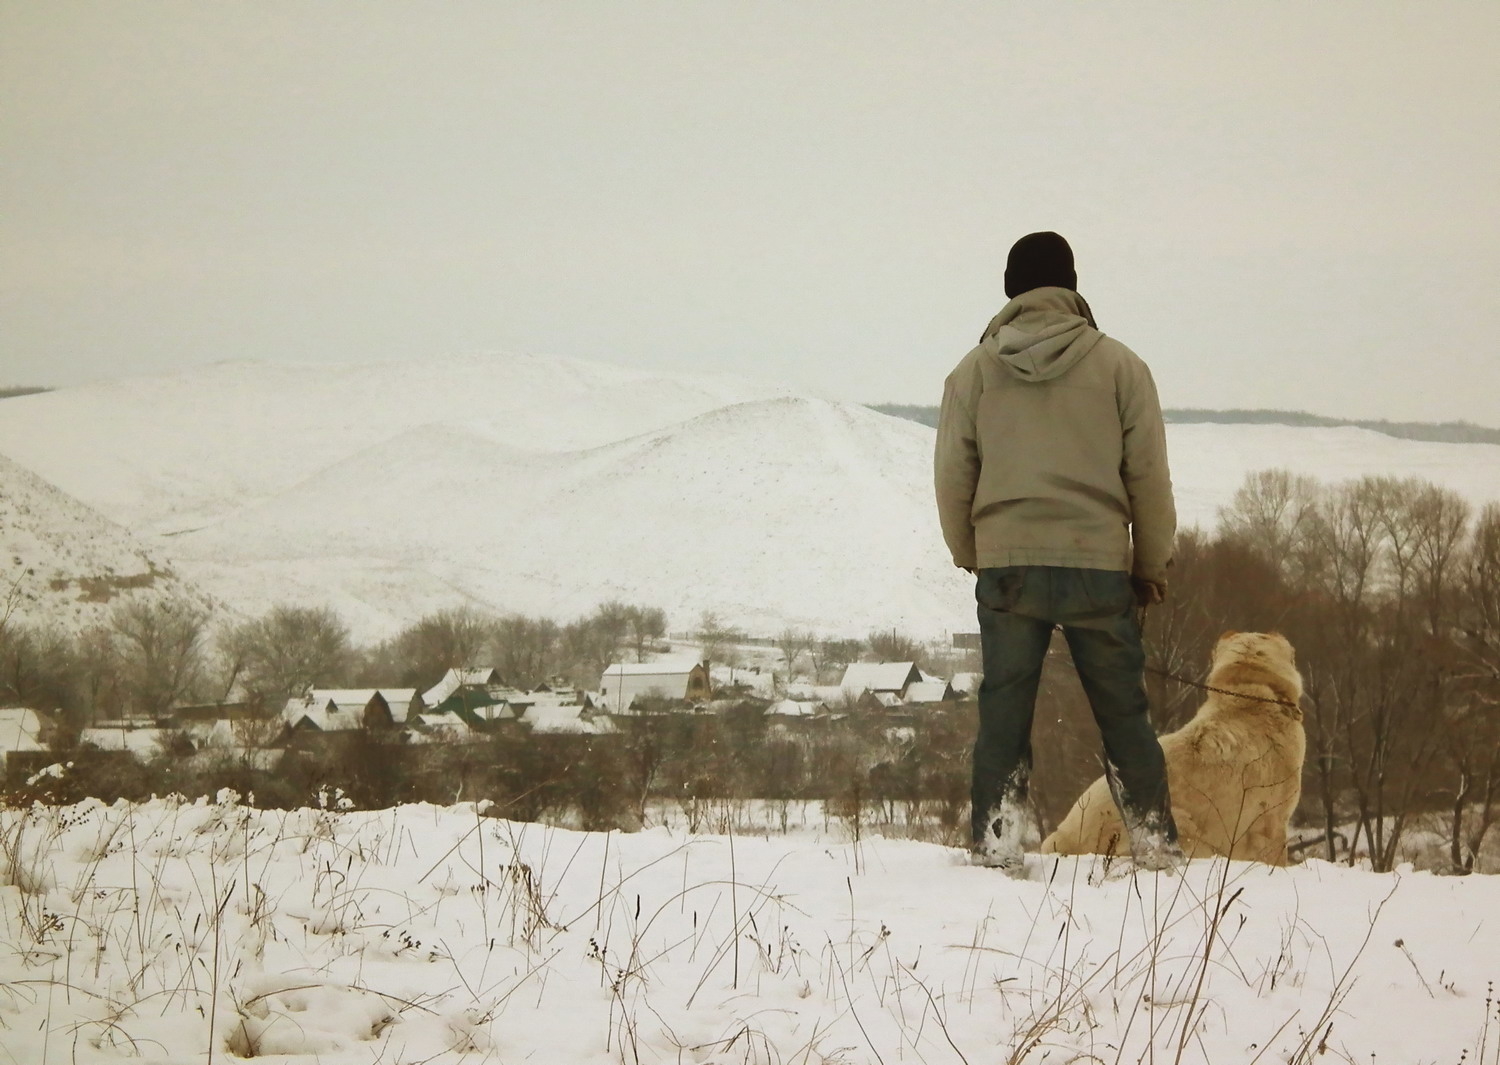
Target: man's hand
{"points": [[1148, 593]]}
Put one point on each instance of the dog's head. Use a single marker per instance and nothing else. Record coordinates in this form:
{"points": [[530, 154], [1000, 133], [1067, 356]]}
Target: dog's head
{"points": [[1258, 658]]}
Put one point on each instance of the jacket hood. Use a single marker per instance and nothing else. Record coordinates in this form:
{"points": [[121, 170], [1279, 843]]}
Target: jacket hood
{"points": [[1041, 334]]}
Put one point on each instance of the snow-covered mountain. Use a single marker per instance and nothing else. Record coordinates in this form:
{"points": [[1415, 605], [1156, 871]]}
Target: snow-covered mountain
{"points": [[160, 454], [63, 564], [548, 485]]}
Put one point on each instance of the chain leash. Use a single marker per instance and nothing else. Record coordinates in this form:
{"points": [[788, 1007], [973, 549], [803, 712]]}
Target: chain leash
{"points": [[1169, 675]]}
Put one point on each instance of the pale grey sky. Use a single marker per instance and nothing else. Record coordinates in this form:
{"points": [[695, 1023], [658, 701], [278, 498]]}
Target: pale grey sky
{"points": [[1276, 204]]}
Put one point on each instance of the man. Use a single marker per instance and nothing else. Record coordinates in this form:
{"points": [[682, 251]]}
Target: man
{"points": [[1053, 488]]}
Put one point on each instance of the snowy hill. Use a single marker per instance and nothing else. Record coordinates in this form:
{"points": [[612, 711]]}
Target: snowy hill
{"points": [[774, 512], [66, 565], [548, 485], [164, 453]]}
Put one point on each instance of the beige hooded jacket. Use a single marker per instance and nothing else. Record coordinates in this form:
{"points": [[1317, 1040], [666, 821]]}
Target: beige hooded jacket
{"points": [[1051, 449]]}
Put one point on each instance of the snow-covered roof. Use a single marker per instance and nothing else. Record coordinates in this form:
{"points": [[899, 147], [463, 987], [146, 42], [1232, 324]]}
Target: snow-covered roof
{"points": [[666, 667], [348, 701], [569, 719], [492, 712], [455, 678], [966, 682], [218, 733], [449, 723], [323, 719], [20, 730], [878, 676], [138, 741], [928, 691], [795, 708]]}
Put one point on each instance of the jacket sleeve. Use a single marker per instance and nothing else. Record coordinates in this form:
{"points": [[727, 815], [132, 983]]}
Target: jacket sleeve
{"points": [[956, 464], [1148, 480]]}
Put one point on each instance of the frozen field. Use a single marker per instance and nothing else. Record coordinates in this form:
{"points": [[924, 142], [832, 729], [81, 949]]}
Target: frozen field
{"points": [[175, 932]]}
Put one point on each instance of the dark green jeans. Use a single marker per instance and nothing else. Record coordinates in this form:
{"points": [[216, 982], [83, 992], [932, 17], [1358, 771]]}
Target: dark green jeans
{"points": [[1019, 606]]}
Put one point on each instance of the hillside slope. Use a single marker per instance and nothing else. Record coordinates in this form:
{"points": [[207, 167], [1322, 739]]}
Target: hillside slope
{"points": [[63, 564]]}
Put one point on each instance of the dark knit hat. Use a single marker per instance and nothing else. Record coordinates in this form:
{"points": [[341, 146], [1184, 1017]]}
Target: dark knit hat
{"points": [[1038, 260]]}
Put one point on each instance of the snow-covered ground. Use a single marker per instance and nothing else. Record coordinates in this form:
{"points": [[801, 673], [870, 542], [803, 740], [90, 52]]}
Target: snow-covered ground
{"points": [[183, 933], [548, 485]]}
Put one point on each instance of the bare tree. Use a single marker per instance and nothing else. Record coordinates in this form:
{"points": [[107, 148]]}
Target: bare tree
{"points": [[612, 619], [793, 643], [892, 645], [286, 651], [644, 625], [438, 642], [1274, 512], [834, 654], [159, 646], [526, 649], [715, 635]]}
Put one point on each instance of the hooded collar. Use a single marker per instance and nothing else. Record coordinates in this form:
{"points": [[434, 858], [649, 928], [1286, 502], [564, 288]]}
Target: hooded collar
{"points": [[1043, 333]]}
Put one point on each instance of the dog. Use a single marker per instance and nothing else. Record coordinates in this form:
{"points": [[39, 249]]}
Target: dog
{"points": [[1234, 770]]}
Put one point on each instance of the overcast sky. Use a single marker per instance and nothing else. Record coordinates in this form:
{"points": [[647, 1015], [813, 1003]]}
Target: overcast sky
{"points": [[1276, 204]]}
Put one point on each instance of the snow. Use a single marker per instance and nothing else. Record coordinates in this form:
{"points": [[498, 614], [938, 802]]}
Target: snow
{"points": [[172, 932], [548, 485]]}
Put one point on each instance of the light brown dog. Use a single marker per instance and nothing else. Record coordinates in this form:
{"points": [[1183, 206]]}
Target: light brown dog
{"points": [[1235, 769]]}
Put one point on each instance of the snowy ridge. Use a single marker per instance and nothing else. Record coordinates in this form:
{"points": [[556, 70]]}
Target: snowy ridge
{"points": [[65, 565], [548, 485]]}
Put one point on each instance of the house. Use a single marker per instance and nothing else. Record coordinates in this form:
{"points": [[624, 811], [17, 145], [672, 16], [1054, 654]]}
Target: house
{"points": [[795, 708], [432, 728], [145, 742], [21, 729], [890, 678], [930, 691], [212, 734], [966, 683], [562, 718], [790, 716], [342, 709], [456, 679], [680, 680], [207, 713]]}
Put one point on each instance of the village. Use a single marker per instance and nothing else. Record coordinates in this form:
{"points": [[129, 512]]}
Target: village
{"points": [[474, 704]]}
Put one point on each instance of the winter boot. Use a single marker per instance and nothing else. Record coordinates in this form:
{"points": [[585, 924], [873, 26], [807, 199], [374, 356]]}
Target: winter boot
{"points": [[1153, 833], [1000, 847]]}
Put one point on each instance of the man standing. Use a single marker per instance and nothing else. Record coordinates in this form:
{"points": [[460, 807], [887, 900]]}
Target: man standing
{"points": [[1053, 488]]}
